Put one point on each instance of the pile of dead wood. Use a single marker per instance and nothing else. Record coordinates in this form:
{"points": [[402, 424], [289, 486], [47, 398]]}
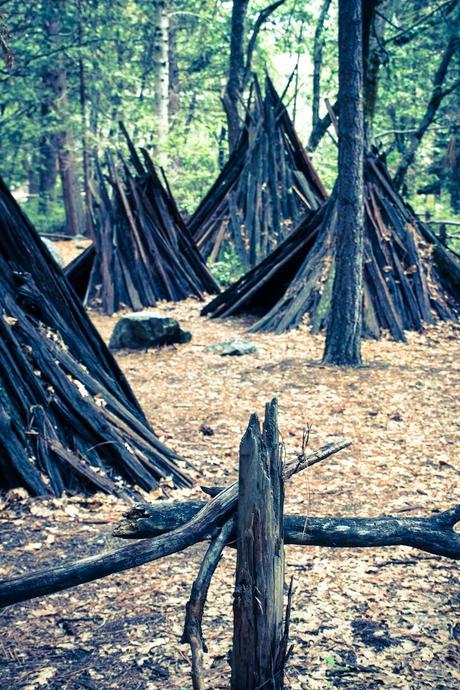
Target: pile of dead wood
{"points": [[68, 418], [263, 189], [142, 250], [410, 279]]}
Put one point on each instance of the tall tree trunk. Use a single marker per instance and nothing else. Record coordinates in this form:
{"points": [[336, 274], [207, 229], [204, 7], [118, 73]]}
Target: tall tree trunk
{"points": [[318, 61], [66, 158], [437, 96], [64, 141], [173, 66], [84, 130], [47, 154], [47, 162], [374, 56], [343, 337], [161, 64], [236, 71], [70, 185]]}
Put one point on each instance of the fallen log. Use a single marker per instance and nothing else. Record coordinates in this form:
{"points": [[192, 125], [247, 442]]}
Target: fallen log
{"points": [[433, 534], [198, 528]]}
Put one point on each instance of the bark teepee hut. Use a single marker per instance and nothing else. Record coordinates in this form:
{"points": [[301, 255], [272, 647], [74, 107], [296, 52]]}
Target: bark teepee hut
{"points": [[409, 278], [68, 418], [142, 250], [264, 188]]}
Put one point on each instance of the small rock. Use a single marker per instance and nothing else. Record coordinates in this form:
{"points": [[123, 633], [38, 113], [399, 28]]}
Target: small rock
{"points": [[206, 430], [147, 329], [234, 346], [54, 251]]}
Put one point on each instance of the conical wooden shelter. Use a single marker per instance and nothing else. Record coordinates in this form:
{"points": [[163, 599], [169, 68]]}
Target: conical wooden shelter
{"points": [[68, 418], [264, 188], [409, 278], [142, 250]]}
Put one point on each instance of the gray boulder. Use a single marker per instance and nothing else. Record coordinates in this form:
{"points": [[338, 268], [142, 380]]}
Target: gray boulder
{"points": [[54, 251], [233, 347], [147, 329]]}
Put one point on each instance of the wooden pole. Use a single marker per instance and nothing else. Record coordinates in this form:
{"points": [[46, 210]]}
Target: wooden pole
{"points": [[258, 636]]}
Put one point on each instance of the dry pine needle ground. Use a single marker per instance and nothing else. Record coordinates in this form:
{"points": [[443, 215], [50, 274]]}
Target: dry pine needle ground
{"points": [[361, 619]]}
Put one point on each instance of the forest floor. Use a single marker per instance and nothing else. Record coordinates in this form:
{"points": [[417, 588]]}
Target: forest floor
{"points": [[361, 619]]}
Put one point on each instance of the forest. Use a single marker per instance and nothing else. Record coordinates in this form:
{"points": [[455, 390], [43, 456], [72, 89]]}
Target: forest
{"points": [[229, 327]]}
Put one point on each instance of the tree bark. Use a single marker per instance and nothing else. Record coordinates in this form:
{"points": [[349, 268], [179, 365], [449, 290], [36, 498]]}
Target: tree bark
{"points": [[258, 602], [64, 140], [343, 337], [236, 71], [437, 96], [47, 158], [47, 154], [173, 67], [374, 56], [84, 130], [318, 62], [161, 62]]}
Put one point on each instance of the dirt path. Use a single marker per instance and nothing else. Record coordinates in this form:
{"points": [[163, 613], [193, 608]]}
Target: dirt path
{"points": [[361, 619]]}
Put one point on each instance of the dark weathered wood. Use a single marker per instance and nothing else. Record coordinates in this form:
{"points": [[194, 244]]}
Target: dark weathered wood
{"points": [[409, 279], [433, 534], [344, 323], [92, 568], [71, 422], [258, 633], [193, 634], [253, 188], [143, 252]]}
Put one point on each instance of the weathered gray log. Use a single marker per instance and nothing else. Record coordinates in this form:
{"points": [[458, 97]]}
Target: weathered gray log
{"points": [[258, 634], [87, 569], [433, 534]]}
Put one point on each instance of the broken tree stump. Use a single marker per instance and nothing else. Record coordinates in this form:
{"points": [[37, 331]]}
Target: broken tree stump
{"points": [[258, 635]]}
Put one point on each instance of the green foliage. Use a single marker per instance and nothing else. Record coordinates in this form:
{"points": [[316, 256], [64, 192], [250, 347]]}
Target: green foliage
{"points": [[193, 164], [331, 661], [228, 269], [48, 221], [113, 42]]}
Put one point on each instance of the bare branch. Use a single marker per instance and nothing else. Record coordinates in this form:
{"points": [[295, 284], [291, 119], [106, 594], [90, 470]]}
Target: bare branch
{"points": [[193, 634], [318, 60], [260, 21], [92, 568], [436, 98], [397, 37], [320, 129]]}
